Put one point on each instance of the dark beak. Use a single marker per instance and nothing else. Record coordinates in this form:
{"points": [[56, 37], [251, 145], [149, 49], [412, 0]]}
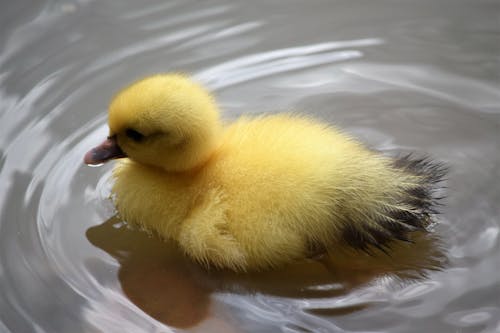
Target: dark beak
{"points": [[106, 151]]}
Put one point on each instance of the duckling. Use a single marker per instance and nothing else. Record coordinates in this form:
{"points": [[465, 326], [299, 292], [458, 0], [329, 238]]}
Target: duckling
{"points": [[259, 192]]}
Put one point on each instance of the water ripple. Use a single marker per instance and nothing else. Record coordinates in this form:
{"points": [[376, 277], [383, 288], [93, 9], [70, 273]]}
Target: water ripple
{"points": [[277, 61], [433, 81]]}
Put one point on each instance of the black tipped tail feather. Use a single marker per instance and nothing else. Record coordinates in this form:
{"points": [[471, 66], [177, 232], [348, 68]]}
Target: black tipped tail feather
{"points": [[413, 208]]}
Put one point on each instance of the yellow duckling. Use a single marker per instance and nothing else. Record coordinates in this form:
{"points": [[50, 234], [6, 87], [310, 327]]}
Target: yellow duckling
{"points": [[259, 192]]}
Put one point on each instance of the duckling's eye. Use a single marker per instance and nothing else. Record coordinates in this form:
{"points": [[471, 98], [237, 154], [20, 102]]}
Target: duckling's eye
{"points": [[134, 135]]}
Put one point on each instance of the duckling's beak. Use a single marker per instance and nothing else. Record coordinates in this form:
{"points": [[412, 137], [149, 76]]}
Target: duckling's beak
{"points": [[106, 151]]}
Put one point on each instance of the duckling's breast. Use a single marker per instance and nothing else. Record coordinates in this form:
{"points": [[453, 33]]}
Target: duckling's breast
{"points": [[151, 198]]}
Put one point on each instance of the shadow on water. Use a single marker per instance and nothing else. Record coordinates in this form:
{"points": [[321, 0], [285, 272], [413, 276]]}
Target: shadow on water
{"points": [[169, 287]]}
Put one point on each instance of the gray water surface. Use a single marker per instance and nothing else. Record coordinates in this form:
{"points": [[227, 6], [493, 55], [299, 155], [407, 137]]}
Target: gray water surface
{"points": [[403, 75]]}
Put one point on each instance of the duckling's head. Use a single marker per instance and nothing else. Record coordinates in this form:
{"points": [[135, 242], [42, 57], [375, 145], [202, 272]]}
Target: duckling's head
{"points": [[167, 121]]}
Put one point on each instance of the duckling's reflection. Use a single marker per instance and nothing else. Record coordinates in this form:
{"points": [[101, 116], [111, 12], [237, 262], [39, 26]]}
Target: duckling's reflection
{"points": [[157, 277], [153, 274]]}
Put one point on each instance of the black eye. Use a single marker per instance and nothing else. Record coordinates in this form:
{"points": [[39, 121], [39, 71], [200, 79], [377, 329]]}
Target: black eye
{"points": [[134, 135]]}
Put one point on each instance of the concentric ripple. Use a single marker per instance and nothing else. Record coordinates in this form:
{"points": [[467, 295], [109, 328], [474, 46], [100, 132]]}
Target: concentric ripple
{"points": [[401, 77]]}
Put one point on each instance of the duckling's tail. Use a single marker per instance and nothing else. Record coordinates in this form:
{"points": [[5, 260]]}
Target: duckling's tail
{"points": [[411, 207], [423, 196]]}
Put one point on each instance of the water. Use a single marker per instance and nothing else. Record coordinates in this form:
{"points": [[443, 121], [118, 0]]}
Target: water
{"points": [[400, 75]]}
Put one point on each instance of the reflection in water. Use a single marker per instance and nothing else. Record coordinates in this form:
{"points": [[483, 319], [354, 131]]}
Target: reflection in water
{"points": [[169, 287], [153, 274]]}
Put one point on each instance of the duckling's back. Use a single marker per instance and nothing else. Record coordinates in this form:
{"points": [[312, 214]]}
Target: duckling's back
{"points": [[294, 186]]}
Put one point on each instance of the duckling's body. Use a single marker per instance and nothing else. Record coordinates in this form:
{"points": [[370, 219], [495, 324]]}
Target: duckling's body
{"points": [[270, 190]]}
